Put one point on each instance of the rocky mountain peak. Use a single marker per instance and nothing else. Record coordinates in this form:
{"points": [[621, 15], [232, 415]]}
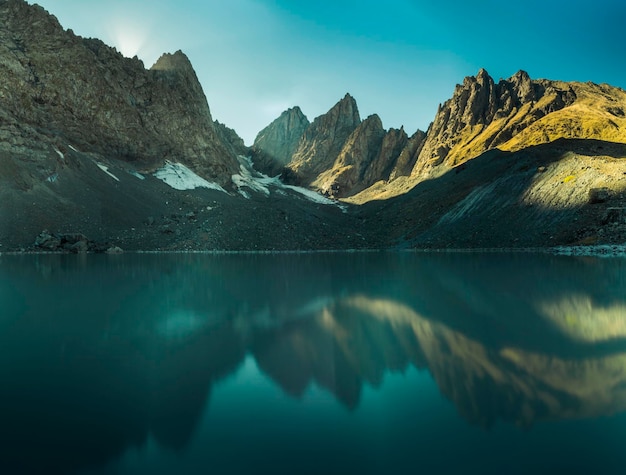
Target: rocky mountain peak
{"points": [[18, 13], [275, 145], [294, 116], [67, 90], [523, 87], [373, 122], [520, 76], [478, 117], [346, 112], [282, 135], [322, 142], [483, 77], [369, 155], [173, 62]]}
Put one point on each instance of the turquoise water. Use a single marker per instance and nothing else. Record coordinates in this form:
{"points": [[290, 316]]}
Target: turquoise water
{"points": [[313, 363]]}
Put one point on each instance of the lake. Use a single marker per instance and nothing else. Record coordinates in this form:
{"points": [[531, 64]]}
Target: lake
{"points": [[369, 363]]}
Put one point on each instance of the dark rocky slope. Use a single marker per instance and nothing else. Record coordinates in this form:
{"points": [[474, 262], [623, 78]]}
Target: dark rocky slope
{"points": [[540, 196], [60, 91]]}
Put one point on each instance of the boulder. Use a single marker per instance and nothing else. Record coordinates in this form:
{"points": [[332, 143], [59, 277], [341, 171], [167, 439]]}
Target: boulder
{"points": [[599, 195], [48, 241]]}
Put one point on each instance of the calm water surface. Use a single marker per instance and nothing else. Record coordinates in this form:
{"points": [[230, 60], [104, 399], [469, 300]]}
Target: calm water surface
{"points": [[317, 363]]}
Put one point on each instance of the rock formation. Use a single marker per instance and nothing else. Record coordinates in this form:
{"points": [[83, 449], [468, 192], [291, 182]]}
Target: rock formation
{"points": [[337, 154], [322, 142], [368, 155], [275, 145], [408, 156], [230, 137], [83, 129], [61, 90], [511, 115], [482, 115]]}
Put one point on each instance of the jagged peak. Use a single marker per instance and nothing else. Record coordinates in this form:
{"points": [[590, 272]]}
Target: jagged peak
{"points": [[177, 61], [482, 78], [347, 100], [520, 79], [521, 75], [345, 112], [286, 118], [374, 120], [295, 111], [482, 73]]}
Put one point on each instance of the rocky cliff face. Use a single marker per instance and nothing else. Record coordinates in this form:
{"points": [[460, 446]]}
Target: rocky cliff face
{"points": [[369, 155], [60, 90], [408, 155], [482, 115], [275, 145], [337, 154], [322, 142], [343, 157], [230, 138]]}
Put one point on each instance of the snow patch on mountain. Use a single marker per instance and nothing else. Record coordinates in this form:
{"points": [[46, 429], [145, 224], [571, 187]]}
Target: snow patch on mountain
{"points": [[105, 169], [250, 178], [179, 177]]}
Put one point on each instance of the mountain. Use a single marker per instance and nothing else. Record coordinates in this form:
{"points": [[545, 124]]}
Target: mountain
{"points": [[60, 91], [516, 113], [338, 154], [230, 138], [275, 145], [368, 155], [97, 152], [481, 115], [322, 141]]}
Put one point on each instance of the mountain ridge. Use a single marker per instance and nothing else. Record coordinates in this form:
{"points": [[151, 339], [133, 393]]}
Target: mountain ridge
{"points": [[99, 149], [68, 90], [483, 115]]}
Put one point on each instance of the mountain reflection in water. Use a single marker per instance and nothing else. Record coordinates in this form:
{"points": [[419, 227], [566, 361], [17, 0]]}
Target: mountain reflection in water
{"points": [[120, 349]]}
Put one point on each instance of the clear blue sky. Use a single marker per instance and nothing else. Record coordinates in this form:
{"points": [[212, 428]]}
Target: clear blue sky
{"points": [[398, 58]]}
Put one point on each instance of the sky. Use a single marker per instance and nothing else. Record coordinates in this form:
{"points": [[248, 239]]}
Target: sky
{"points": [[398, 58]]}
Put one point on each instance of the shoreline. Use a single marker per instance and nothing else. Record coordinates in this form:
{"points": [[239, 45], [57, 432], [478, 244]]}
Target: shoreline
{"points": [[598, 250]]}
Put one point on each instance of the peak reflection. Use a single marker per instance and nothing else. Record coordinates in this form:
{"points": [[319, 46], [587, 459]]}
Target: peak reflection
{"points": [[130, 348]]}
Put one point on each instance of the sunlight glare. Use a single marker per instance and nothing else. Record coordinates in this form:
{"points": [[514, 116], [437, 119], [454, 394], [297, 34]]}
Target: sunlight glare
{"points": [[128, 37]]}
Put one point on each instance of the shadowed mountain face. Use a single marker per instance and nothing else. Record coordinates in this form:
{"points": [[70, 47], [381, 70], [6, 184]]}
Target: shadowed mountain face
{"points": [[275, 144], [148, 340], [61, 91], [527, 198]]}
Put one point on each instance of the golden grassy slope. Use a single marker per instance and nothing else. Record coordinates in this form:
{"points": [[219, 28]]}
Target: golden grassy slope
{"points": [[598, 113]]}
